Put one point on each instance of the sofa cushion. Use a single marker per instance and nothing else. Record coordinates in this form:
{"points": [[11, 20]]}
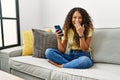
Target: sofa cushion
{"points": [[42, 41], [99, 71], [105, 45], [37, 67]]}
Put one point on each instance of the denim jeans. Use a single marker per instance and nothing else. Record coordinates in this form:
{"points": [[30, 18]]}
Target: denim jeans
{"points": [[74, 59]]}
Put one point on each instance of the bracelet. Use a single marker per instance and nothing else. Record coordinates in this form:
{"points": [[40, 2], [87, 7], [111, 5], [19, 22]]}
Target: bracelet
{"points": [[81, 36]]}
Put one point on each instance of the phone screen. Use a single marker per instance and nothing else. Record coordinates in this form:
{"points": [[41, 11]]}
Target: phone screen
{"points": [[58, 27]]}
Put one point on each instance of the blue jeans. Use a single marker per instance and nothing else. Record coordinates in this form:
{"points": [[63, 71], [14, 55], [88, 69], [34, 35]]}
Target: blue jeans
{"points": [[75, 59]]}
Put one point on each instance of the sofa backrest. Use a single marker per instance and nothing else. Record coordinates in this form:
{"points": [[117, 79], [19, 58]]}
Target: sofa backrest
{"points": [[106, 45]]}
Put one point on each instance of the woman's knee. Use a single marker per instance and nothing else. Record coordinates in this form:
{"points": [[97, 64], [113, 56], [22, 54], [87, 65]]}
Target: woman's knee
{"points": [[85, 62], [49, 52], [83, 58]]}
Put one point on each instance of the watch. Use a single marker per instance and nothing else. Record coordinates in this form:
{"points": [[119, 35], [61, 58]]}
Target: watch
{"points": [[81, 36]]}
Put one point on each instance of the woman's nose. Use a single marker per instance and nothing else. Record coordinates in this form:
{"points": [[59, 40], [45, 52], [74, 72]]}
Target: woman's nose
{"points": [[76, 20]]}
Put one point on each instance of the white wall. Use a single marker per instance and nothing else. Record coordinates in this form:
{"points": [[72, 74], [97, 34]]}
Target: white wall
{"points": [[29, 13], [47, 13], [105, 13]]}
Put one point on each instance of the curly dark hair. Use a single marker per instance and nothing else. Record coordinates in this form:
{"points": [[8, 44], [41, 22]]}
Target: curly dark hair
{"points": [[86, 20]]}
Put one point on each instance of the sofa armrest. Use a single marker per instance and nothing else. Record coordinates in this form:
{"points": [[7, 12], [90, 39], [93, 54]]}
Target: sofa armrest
{"points": [[5, 54], [11, 52]]}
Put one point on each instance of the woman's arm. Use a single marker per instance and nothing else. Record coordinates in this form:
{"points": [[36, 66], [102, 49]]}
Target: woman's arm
{"points": [[85, 43], [62, 44]]}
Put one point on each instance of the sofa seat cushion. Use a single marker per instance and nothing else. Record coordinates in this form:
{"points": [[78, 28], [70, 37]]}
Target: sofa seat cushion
{"points": [[40, 67], [33, 66], [99, 71]]}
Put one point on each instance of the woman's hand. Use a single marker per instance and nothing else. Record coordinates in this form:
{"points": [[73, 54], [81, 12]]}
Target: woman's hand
{"points": [[61, 43], [79, 28], [58, 34]]}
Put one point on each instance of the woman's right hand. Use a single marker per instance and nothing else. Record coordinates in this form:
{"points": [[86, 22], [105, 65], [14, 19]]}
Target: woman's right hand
{"points": [[58, 34], [61, 43]]}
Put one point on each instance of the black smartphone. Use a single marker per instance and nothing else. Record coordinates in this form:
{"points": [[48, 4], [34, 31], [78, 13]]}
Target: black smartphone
{"points": [[59, 29]]}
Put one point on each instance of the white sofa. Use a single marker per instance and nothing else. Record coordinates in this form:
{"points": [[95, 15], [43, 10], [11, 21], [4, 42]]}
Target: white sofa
{"points": [[106, 55]]}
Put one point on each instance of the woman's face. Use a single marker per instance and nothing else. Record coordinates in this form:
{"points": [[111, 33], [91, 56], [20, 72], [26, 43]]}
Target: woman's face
{"points": [[76, 18]]}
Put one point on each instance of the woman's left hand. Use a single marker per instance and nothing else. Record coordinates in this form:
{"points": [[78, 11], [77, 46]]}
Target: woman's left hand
{"points": [[80, 29]]}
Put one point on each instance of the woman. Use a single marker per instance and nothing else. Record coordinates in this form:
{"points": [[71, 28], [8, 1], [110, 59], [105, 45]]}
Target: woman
{"points": [[74, 47]]}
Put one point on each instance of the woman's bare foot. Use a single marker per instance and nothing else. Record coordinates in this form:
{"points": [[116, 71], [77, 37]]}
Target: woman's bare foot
{"points": [[58, 65]]}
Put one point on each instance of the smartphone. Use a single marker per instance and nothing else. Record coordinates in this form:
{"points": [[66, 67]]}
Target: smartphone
{"points": [[59, 29]]}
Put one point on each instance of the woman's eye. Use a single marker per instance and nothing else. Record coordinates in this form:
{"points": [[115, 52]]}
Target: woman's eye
{"points": [[80, 17]]}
